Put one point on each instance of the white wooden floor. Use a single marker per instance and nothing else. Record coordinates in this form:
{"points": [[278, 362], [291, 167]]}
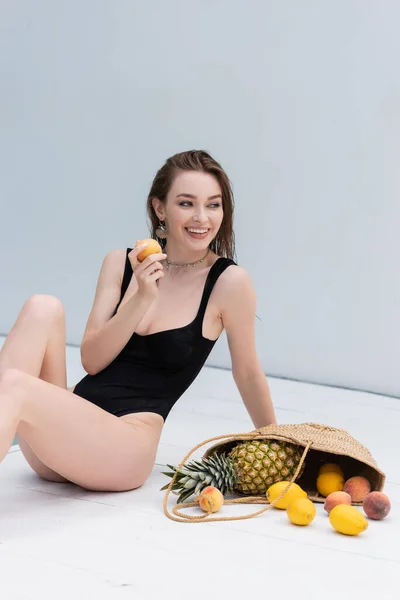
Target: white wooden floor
{"points": [[59, 541]]}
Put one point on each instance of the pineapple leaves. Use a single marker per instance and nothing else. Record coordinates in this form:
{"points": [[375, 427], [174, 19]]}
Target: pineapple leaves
{"points": [[216, 470]]}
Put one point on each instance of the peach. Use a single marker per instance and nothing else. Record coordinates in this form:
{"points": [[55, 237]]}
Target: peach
{"points": [[210, 499], [376, 505], [358, 487], [153, 247], [336, 498]]}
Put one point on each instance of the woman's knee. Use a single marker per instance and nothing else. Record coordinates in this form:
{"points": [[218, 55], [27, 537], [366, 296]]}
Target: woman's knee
{"points": [[44, 306]]}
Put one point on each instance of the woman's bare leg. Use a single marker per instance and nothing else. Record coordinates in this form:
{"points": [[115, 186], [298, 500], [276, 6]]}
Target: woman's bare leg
{"points": [[36, 345], [75, 438]]}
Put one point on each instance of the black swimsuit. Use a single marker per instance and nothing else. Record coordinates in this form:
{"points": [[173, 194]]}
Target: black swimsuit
{"points": [[152, 371]]}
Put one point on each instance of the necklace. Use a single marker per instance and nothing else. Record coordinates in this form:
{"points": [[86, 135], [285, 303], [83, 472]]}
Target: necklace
{"points": [[185, 265]]}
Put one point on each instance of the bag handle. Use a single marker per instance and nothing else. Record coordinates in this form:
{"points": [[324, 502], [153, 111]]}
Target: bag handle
{"points": [[184, 518]]}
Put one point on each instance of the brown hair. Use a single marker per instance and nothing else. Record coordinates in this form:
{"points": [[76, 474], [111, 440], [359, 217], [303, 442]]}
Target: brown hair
{"points": [[196, 160]]}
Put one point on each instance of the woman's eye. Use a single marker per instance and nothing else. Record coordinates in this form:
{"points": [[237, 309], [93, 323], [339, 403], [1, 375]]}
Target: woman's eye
{"points": [[186, 203]]}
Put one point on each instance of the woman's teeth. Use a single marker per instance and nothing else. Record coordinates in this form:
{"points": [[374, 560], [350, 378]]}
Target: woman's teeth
{"points": [[197, 233]]}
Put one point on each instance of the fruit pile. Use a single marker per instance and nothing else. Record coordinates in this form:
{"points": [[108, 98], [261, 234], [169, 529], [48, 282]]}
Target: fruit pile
{"points": [[339, 495]]}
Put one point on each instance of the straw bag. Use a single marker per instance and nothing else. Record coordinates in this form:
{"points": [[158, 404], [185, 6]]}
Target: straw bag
{"points": [[320, 443]]}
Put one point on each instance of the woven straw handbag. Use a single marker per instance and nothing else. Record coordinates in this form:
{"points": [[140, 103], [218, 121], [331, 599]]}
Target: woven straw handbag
{"points": [[319, 444]]}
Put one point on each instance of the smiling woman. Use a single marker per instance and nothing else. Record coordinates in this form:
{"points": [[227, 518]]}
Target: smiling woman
{"points": [[178, 179], [198, 217], [152, 326]]}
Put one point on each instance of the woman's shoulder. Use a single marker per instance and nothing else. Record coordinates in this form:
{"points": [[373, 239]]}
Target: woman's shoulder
{"points": [[113, 264], [115, 258], [234, 278], [116, 255], [236, 299]]}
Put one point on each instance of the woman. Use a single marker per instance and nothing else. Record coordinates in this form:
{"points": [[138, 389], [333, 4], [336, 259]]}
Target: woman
{"points": [[152, 325]]}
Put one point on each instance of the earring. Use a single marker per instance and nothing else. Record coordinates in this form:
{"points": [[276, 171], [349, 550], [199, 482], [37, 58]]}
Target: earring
{"points": [[161, 231]]}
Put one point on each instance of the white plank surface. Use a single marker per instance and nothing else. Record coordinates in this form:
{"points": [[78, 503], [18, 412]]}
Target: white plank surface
{"points": [[60, 541]]}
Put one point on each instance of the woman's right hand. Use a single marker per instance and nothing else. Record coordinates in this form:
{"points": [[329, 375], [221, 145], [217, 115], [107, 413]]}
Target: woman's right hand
{"points": [[147, 272]]}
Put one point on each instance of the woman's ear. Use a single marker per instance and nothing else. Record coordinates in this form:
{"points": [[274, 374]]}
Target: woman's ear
{"points": [[158, 206]]}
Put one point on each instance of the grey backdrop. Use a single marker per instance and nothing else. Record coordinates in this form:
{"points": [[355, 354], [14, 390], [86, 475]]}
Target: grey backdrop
{"points": [[300, 101]]}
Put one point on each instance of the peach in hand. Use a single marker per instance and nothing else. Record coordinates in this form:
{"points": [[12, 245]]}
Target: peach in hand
{"points": [[358, 487], [152, 247], [210, 499]]}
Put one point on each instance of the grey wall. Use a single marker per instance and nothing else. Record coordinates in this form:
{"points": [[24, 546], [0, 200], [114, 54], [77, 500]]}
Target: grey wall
{"points": [[300, 101]]}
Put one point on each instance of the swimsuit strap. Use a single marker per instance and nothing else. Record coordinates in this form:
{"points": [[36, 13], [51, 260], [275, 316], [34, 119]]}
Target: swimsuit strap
{"points": [[216, 270], [128, 272], [127, 276]]}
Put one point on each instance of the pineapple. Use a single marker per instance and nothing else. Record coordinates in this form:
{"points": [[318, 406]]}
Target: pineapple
{"points": [[249, 469]]}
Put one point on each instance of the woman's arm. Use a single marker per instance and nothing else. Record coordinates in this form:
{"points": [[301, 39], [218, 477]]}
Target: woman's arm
{"points": [[238, 314], [106, 335]]}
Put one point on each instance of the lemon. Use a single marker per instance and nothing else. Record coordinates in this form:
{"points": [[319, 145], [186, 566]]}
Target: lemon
{"points": [[301, 511], [331, 468], [347, 520], [330, 482], [275, 490]]}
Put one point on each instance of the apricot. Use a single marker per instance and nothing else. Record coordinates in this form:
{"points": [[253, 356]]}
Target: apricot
{"points": [[376, 505], [210, 499], [153, 247], [336, 498], [358, 487]]}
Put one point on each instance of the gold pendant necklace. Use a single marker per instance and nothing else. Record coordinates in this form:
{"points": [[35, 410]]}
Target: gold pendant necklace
{"points": [[185, 265]]}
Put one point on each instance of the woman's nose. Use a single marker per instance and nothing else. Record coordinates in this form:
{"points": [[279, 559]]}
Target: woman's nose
{"points": [[200, 216]]}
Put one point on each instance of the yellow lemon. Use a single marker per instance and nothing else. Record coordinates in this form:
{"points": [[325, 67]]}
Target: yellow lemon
{"points": [[347, 520], [301, 511], [275, 490], [330, 482], [330, 468]]}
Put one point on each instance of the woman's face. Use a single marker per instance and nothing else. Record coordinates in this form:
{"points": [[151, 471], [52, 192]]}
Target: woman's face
{"points": [[193, 210]]}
